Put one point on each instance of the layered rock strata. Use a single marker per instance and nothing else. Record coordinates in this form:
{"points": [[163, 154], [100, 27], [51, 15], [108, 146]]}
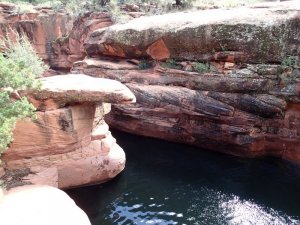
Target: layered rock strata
{"points": [[56, 36], [69, 143], [233, 106], [42, 26]]}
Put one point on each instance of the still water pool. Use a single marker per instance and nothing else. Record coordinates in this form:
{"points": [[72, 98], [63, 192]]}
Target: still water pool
{"points": [[168, 183]]}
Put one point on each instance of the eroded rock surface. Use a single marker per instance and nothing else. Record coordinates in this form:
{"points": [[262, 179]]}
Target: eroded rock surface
{"points": [[56, 36], [232, 106], [69, 143], [69, 48], [246, 115], [242, 35], [42, 26]]}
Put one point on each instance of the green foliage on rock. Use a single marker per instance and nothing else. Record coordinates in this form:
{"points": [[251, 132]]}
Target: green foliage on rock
{"points": [[202, 67], [291, 61], [172, 64], [19, 68], [150, 7], [145, 64]]}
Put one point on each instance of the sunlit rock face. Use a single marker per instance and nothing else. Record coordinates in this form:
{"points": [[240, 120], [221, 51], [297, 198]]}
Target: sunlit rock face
{"points": [[56, 36], [236, 106], [69, 144], [244, 34], [42, 26], [35, 205]]}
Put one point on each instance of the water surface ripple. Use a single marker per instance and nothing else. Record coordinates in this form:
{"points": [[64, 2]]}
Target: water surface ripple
{"points": [[166, 183]]}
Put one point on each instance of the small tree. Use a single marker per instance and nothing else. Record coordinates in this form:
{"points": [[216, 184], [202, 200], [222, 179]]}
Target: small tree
{"points": [[19, 68]]}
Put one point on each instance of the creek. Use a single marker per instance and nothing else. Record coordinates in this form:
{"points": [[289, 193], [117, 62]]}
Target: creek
{"points": [[169, 183]]}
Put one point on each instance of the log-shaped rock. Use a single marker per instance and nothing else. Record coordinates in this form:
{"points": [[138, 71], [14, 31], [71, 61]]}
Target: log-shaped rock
{"points": [[78, 88], [239, 35]]}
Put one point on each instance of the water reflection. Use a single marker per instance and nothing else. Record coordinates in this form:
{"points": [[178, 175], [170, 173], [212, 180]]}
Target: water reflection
{"points": [[167, 183], [210, 207]]}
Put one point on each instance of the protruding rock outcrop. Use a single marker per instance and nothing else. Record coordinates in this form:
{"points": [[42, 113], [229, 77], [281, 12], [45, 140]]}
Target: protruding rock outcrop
{"points": [[210, 94], [69, 143], [240, 35]]}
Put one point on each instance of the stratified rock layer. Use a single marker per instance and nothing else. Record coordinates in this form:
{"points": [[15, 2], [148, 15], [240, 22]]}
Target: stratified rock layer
{"points": [[245, 115], [57, 38], [69, 143], [42, 26], [234, 106]]}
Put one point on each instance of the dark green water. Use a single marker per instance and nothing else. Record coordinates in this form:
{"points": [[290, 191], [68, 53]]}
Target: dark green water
{"points": [[167, 183]]}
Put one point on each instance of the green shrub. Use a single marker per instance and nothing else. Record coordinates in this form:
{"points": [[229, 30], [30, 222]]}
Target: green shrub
{"points": [[19, 68], [171, 63], [290, 61], [145, 64], [202, 67]]}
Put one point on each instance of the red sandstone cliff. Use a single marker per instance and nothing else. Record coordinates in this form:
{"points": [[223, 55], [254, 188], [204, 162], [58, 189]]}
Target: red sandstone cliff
{"points": [[246, 104], [69, 144]]}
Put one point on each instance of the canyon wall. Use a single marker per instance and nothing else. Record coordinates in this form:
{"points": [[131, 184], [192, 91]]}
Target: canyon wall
{"points": [[232, 84], [56, 36], [224, 80], [68, 144]]}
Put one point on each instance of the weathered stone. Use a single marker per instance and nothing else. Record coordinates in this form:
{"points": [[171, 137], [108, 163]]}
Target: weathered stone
{"points": [[91, 169], [43, 27], [158, 50], [245, 112], [69, 49], [236, 82], [78, 88], [53, 132], [43, 176], [100, 131], [189, 100], [35, 205], [244, 104], [235, 35], [61, 147], [56, 37]]}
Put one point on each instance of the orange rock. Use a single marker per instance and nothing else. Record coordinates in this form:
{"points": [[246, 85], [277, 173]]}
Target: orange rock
{"points": [[57, 148], [229, 66], [158, 50], [100, 131], [91, 169]]}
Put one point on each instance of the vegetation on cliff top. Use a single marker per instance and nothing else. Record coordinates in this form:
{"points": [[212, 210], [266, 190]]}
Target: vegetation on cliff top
{"points": [[116, 7], [19, 68]]}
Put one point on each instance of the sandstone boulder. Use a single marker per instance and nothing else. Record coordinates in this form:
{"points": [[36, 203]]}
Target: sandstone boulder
{"points": [[237, 35], [78, 88], [36, 205], [68, 144]]}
